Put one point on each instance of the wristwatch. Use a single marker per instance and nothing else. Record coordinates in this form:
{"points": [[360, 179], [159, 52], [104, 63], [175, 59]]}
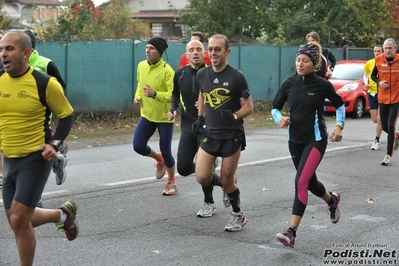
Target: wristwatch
{"points": [[155, 95], [340, 125], [56, 144]]}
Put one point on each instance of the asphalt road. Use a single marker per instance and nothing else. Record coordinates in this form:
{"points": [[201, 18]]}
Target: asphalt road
{"points": [[124, 219]]}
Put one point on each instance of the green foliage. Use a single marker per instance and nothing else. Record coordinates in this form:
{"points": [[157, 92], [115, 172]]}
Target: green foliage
{"points": [[5, 22], [115, 20], [83, 21], [361, 23], [229, 17], [80, 20]]}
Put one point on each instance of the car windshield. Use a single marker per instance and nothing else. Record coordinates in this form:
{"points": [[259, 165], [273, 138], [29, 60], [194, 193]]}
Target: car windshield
{"points": [[348, 71]]}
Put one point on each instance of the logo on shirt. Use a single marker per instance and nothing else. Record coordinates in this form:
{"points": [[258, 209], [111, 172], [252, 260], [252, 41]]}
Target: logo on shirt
{"points": [[217, 97], [23, 95], [216, 81]]}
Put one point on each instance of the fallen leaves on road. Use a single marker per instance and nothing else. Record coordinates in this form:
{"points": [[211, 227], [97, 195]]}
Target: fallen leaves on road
{"points": [[370, 200]]}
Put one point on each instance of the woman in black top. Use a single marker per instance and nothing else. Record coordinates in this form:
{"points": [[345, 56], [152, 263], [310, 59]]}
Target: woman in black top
{"points": [[305, 93]]}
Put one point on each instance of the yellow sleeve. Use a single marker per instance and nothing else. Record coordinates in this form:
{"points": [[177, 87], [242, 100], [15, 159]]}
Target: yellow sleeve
{"points": [[56, 99]]}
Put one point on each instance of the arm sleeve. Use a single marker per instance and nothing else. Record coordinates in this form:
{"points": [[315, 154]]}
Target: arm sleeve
{"points": [[374, 75], [63, 128], [176, 92], [166, 96], [340, 114], [52, 70], [139, 90], [332, 59], [337, 101], [276, 114], [278, 103]]}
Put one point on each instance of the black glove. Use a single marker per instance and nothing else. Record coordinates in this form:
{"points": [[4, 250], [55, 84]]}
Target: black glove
{"points": [[197, 126], [228, 115]]}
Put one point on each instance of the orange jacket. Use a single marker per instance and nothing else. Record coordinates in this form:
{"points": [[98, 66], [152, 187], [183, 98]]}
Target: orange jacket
{"points": [[390, 74]]}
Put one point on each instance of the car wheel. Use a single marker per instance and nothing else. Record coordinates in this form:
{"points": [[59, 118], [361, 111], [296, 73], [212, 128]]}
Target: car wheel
{"points": [[358, 109]]}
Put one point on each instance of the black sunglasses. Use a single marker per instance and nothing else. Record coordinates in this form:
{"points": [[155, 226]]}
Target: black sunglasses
{"points": [[216, 49]]}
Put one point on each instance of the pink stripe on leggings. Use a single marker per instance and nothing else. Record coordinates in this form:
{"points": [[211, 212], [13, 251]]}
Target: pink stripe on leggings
{"points": [[309, 169]]}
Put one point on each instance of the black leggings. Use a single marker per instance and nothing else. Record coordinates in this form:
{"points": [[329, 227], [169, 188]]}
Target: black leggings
{"points": [[388, 116], [306, 158], [188, 147]]}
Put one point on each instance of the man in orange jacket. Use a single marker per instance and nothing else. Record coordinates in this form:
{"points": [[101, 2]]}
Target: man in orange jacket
{"points": [[386, 75]]}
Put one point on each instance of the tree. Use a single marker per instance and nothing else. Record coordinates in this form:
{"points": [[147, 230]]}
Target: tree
{"points": [[84, 21], [286, 22], [229, 17], [116, 20], [5, 21], [80, 19]]}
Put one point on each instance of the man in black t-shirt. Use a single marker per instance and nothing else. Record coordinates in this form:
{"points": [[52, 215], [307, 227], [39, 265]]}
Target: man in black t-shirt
{"points": [[223, 102]]}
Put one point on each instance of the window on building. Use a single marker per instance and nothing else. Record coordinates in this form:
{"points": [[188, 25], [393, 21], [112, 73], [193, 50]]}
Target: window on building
{"points": [[156, 29], [169, 29]]}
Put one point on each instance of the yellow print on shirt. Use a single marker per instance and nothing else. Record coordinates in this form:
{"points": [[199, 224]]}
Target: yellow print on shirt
{"points": [[217, 97], [23, 94]]}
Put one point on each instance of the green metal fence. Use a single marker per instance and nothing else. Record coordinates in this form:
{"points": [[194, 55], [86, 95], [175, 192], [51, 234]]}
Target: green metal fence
{"points": [[101, 76]]}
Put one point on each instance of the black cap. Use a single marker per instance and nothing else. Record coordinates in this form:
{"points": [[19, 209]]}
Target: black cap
{"points": [[32, 37], [159, 44]]}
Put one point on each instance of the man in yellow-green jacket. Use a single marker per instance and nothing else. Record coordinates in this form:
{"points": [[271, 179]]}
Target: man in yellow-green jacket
{"points": [[154, 94]]}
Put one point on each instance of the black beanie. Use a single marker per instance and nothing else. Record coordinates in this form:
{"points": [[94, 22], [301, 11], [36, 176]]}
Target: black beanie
{"points": [[159, 44], [32, 37]]}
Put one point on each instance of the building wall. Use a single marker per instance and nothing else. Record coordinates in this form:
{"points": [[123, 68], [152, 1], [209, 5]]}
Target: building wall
{"points": [[28, 14], [139, 5]]}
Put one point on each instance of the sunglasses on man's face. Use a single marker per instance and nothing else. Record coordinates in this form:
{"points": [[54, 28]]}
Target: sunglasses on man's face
{"points": [[216, 49]]}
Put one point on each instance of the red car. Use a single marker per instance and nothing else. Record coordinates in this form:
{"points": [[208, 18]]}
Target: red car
{"points": [[348, 80]]}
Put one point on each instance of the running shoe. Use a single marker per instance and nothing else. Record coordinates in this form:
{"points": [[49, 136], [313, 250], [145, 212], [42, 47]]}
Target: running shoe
{"points": [[215, 164], [170, 189], [70, 226], [396, 142], [226, 199], [207, 210], [64, 148], [386, 161], [287, 237], [161, 169], [335, 214], [236, 222], [375, 146], [60, 173]]}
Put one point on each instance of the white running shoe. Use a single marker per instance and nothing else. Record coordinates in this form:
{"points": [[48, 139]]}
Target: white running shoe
{"points": [[60, 173], [375, 146], [386, 161], [236, 222], [207, 210]]}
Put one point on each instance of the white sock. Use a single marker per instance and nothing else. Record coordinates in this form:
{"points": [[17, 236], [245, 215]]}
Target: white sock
{"points": [[63, 217]]}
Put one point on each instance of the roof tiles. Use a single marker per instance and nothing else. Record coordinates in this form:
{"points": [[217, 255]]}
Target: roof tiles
{"points": [[41, 2]]}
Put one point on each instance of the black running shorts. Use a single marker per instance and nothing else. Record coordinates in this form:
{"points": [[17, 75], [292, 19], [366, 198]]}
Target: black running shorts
{"points": [[223, 147]]}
